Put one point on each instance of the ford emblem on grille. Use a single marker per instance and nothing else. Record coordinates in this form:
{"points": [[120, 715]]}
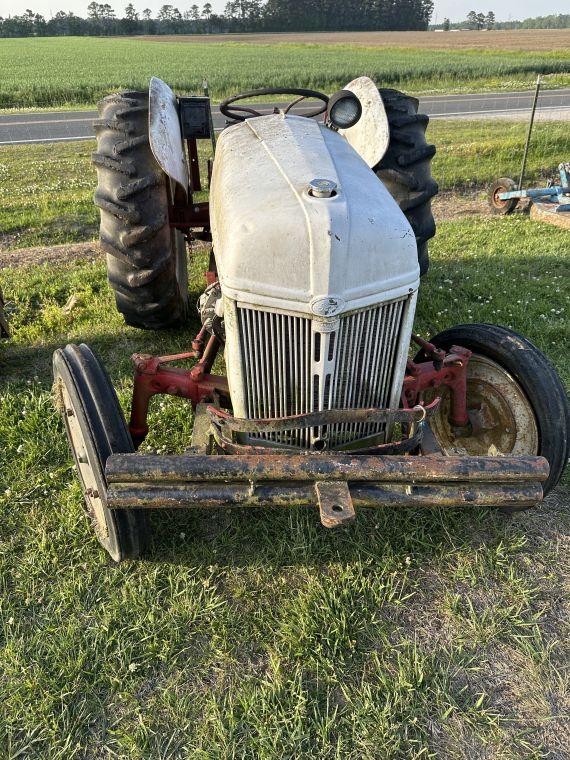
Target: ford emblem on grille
{"points": [[327, 306]]}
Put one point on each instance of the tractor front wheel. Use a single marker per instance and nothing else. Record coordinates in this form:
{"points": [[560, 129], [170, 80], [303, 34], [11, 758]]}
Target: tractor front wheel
{"points": [[515, 400], [96, 428], [498, 206]]}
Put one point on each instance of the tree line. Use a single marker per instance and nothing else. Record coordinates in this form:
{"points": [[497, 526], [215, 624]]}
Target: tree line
{"points": [[478, 21], [238, 16]]}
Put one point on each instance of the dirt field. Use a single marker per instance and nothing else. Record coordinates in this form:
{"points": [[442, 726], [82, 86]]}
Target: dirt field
{"points": [[521, 39]]}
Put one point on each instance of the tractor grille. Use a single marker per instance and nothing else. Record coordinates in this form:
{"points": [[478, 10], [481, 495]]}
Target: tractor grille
{"points": [[292, 368]]}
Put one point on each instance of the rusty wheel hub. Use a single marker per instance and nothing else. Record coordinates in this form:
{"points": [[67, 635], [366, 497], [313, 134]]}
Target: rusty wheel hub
{"points": [[498, 202], [501, 418]]}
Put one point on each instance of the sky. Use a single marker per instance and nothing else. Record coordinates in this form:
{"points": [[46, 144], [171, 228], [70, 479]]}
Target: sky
{"points": [[456, 10]]}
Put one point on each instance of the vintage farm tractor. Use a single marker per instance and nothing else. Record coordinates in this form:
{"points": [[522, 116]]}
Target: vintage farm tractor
{"points": [[319, 234]]}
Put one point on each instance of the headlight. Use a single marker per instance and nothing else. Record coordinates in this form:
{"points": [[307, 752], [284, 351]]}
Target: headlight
{"points": [[344, 109]]}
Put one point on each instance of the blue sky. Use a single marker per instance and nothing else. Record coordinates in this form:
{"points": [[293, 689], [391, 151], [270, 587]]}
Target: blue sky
{"points": [[456, 10]]}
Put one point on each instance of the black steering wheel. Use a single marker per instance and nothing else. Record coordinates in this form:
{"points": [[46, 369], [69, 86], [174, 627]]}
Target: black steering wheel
{"points": [[241, 113]]}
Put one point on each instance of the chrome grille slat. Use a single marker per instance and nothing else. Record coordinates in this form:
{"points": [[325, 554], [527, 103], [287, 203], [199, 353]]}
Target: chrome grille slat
{"points": [[282, 375]]}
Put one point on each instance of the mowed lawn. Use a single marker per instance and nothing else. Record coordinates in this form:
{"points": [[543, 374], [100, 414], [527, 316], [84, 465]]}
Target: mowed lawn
{"points": [[46, 191], [411, 634], [58, 71]]}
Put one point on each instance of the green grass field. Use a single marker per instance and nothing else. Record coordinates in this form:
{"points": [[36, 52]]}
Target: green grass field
{"points": [[49, 72], [412, 634], [46, 190]]}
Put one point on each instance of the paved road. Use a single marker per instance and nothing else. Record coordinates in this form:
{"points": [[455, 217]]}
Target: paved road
{"points": [[77, 125]]}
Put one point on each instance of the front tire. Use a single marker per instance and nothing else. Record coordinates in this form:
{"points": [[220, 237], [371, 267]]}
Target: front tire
{"points": [[516, 401], [146, 259], [96, 428]]}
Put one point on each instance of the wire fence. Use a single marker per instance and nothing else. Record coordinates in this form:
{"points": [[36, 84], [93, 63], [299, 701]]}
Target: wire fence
{"points": [[482, 137]]}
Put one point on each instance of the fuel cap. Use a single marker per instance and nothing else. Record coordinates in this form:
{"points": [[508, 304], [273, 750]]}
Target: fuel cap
{"points": [[322, 188]]}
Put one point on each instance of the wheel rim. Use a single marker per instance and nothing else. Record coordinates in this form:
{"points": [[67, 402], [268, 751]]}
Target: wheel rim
{"points": [[502, 421], [498, 202], [86, 468]]}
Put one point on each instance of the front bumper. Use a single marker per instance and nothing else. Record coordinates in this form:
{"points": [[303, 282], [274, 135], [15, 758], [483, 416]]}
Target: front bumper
{"points": [[336, 483]]}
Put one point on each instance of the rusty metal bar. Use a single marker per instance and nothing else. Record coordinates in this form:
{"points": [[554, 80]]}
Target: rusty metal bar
{"points": [[202, 495], [312, 467], [371, 416]]}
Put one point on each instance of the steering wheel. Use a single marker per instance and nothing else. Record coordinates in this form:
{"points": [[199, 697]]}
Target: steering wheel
{"points": [[241, 113]]}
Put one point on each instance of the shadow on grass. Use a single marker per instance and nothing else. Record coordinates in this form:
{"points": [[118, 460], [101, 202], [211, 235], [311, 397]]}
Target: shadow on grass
{"points": [[293, 537], [19, 363]]}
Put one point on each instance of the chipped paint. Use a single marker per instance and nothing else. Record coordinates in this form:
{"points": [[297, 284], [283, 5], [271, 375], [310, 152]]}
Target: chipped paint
{"points": [[164, 132]]}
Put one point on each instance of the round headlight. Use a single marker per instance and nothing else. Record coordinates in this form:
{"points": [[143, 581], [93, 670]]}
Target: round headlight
{"points": [[344, 109]]}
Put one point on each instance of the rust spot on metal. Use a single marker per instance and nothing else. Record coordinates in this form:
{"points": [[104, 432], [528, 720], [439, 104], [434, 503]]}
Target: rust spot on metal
{"points": [[335, 503], [311, 467]]}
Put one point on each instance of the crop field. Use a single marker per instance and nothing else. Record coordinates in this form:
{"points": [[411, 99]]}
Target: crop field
{"points": [[48, 72], [530, 40], [412, 634], [46, 191]]}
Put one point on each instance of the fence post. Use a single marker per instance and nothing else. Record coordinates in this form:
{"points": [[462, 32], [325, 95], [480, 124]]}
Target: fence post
{"points": [[528, 134]]}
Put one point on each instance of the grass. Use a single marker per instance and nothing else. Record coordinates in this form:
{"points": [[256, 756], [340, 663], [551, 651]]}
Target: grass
{"points": [[46, 191], [412, 634], [471, 154], [47, 72], [46, 194]]}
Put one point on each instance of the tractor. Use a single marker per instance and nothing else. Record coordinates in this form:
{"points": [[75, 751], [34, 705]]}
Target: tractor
{"points": [[318, 222]]}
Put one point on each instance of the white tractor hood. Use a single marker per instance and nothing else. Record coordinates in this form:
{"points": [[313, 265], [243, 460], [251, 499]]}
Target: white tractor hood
{"points": [[277, 246]]}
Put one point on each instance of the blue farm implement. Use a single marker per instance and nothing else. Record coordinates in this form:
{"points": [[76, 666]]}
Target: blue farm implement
{"points": [[504, 194]]}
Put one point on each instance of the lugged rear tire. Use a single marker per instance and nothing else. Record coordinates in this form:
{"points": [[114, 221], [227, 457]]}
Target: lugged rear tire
{"points": [[146, 259], [405, 168]]}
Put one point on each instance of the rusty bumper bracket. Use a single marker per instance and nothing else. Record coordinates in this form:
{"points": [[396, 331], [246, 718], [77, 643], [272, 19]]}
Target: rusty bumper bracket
{"points": [[335, 502], [324, 480]]}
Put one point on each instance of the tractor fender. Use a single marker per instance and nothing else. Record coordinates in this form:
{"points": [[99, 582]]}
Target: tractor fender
{"points": [[370, 135], [165, 134]]}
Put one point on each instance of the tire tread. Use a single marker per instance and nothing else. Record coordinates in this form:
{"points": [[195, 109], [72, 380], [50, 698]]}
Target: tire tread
{"points": [[132, 198], [405, 168]]}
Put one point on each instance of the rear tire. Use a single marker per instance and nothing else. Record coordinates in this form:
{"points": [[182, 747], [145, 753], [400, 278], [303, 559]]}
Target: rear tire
{"points": [[525, 375], [96, 428], [405, 168], [146, 259]]}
